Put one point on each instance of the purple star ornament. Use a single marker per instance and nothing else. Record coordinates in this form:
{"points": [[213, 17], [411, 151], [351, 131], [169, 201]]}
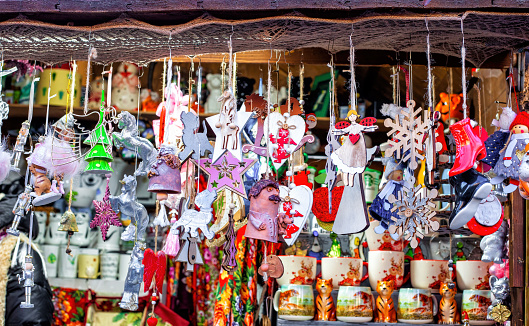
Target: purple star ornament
{"points": [[105, 216], [226, 173]]}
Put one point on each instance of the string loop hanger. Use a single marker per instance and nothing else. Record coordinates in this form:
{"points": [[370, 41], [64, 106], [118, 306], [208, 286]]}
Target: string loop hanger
{"points": [[463, 70]]}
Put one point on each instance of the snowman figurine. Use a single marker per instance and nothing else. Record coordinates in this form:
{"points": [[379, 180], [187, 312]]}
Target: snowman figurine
{"points": [[125, 87]]}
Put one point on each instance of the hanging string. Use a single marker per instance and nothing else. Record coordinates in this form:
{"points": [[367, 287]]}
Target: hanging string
{"points": [[289, 83], [463, 72], [430, 101], [352, 68], [48, 103], [234, 76], [230, 65], [223, 72], [190, 82], [301, 83], [164, 76], [268, 87], [168, 99]]}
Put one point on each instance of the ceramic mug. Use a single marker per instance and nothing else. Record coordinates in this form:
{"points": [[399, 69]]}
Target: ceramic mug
{"points": [[354, 304], [428, 274], [51, 254], [82, 238], [475, 303], [112, 241], [473, 274], [382, 241], [294, 302], [53, 235], [386, 265], [416, 306], [344, 271], [109, 265], [67, 263], [299, 270], [42, 218], [88, 263]]}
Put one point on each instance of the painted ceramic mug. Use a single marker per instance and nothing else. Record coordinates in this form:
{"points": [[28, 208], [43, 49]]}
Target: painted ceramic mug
{"points": [[475, 303], [382, 241], [294, 302], [354, 304], [344, 271], [386, 265], [428, 274], [473, 274], [416, 306], [299, 270]]}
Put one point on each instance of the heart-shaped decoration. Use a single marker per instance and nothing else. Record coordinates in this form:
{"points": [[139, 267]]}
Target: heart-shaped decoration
{"points": [[285, 134], [320, 206], [296, 204], [354, 138], [520, 154]]}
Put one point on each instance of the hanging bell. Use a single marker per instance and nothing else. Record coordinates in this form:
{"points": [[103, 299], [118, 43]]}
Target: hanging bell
{"points": [[68, 222], [164, 176]]}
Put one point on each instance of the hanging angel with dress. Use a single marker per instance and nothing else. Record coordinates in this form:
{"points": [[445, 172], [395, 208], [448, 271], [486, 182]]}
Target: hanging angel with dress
{"points": [[351, 158]]}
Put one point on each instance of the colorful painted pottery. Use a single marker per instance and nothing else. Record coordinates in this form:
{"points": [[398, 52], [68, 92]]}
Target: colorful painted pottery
{"points": [[473, 274], [344, 271], [416, 306], [299, 270], [385, 266], [475, 304], [355, 304], [428, 274], [294, 302]]}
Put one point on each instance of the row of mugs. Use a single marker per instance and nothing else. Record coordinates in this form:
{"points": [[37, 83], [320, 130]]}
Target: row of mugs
{"points": [[355, 304], [85, 263], [51, 235], [384, 265]]}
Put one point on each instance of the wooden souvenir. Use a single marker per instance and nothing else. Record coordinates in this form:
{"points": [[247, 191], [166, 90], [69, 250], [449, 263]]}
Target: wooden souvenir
{"points": [[196, 144], [264, 221], [448, 313], [352, 157], [285, 135], [384, 307], [189, 252], [325, 308], [227, 126], [192, 220], [352, 214], [258, 105], [415, 210], [229, 261], [226, 173], [407, 135], [296, 204]]}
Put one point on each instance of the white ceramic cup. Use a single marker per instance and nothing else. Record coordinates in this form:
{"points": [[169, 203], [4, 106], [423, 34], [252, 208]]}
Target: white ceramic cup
{"points": [[386, 265], [51, 255], [476, 303], [124, 260], [428, 274], [109, 265], [344, 271], [354, 304], [42, 218], [416, 306], [473, 274], [53, 235], [382, 241], [299, 270], [67, 263], [82, 238], [113, 239]]}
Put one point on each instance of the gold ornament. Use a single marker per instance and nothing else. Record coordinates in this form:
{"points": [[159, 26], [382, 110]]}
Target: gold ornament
{"points": [[500, 313]]}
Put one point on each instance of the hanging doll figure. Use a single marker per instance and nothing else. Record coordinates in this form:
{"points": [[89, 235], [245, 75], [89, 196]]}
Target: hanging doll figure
{"points": [[19, 145], [380, 207], [27, 277], [511, 155], [20, 210], [264, 221], [495, 143], [351, 158]]}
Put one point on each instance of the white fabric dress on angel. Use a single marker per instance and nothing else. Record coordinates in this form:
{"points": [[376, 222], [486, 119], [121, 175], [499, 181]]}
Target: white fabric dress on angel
{"points": [[351, 158]]}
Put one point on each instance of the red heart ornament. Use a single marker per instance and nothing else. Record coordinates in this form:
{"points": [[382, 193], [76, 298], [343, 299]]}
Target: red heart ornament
{"points": [[154, 264], [320, 205], [152, 321], [354, 138]]}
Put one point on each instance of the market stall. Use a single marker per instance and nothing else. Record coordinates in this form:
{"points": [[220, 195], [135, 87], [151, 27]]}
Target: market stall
{"points": [[265, 163]]}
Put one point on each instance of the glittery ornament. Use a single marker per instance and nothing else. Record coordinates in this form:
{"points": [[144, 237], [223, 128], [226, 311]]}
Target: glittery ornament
{"points": [[105, 216]]}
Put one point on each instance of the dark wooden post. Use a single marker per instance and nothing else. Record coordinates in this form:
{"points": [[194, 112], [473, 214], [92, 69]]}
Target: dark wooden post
{"points": [[517, 258]]}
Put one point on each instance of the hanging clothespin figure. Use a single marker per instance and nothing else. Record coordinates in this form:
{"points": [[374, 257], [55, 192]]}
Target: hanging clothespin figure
{"points": [[22, 207], [27, 277]]}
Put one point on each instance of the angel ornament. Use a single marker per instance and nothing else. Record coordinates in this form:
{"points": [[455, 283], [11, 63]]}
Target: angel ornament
{"points": [[351, 158]]}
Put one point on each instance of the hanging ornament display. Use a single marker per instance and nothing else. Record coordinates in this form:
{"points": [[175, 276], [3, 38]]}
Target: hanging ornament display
{"points": [[264, 220], [127, 204], [226, 173], [408, 136], [28, 275], [499, 310], [100, 153], [296, 203], [164, 174], [229, 261], [192, 220], [131, 290], [130, 139], [189, 252], [259, 107], [40, 166], [155, 266], [415, 212], [496, 142], [196, 144], [227, 126], [105, 216], [21, 208], [285, 134]]}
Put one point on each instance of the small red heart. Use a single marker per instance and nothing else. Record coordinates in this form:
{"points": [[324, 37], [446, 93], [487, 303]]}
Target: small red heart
{"points": [[354, 138], [152, 321], [320, 205]]}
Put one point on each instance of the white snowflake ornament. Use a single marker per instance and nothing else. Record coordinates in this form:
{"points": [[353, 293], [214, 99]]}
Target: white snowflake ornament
{"points": [[415, 211], [408, 135]]}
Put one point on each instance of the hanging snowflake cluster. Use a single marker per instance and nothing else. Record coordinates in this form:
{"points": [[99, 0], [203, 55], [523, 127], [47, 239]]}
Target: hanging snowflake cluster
{"points": [[415, 211], [408, 135]]}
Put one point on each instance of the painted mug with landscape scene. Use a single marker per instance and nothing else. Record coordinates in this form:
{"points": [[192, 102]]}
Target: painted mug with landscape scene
{"points": [[294, 302], [354, 304], [416, 306]]}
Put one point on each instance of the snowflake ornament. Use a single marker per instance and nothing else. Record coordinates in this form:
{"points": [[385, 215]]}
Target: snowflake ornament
{"points": [[105, 216], [407, 135], [415, 211]]}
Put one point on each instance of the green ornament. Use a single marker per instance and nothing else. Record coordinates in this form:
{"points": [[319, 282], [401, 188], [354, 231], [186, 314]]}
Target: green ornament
{"points": [[336, 248], [98, 158], [459, 255]]}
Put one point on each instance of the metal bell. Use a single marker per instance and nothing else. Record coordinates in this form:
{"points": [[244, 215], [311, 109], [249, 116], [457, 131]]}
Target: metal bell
{"points": [[164, 176], [68, 222]]}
